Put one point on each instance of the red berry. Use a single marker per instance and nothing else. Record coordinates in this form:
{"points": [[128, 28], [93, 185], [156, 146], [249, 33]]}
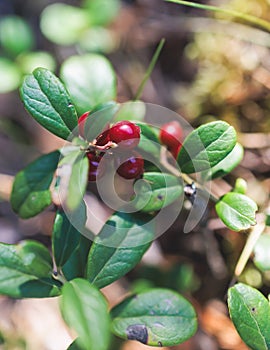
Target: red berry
{"points": [[96, 168], [125, 134], [131, 166], [81, 123], [171, 134], [103, 138], [175, 150]]}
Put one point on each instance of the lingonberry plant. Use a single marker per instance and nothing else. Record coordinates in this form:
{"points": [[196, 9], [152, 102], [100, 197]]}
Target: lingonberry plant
{"points": [[166, 165]]}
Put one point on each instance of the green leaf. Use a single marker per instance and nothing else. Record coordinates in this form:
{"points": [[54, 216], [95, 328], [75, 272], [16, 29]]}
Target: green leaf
{"points": [[240, 186], [26, 271], [10, 75], [226, 165], [98, 119], [149, 142], [76, 263], [75, 345], [131, 110], [31, 188], [66, 233], [156, 191], [84, 309], [73, 177], [118, 248], [237, 211], [63, 24], [47, 100], [90, 79], [206, 146], [261, 253], [250, 313], [16, 35], [102, 12], [158, 317]]}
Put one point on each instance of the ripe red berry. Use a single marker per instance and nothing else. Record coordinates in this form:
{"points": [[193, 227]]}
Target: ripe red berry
{"points": [[131, 166], [96, 167], [175, 150], [171, 134], [103, 138], [81, 123], [126, 134]]}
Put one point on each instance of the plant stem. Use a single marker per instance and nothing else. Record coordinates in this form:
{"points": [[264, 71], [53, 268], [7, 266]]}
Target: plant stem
{"points": [[59, 276], [187, 179], [149, 69], [253, 20], [254, 235]]}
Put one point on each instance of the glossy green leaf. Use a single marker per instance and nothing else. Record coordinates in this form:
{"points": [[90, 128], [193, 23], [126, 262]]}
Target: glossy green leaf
{"points": [[237, 211], [84, 309], [26, 271], [66, 233], [76, 263], [226, 165], [119, 246], [206, 146], [250, 313], [158, 317], [99, 118], [156, 191], [149, 142], [261, 253], [63, 24], [73, 177], [47, 100], [31, 188], [90, 79]]}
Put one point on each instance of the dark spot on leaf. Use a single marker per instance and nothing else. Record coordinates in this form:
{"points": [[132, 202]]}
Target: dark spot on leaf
{"points": [[160, 197], [137, 332], [253, 309], [160, 344]]}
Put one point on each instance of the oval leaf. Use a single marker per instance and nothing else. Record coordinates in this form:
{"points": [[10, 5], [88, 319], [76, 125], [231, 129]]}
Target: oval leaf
{"points": [[206, 146], [84, 309], [261, 253], [31, 188], [76, 263], [156, 191], [118, 248], [237, 211], [47, 100], [90, 79], [73, 177], [26, 271], [250, 313], [157, 317], [66, 236], [226, 165]]}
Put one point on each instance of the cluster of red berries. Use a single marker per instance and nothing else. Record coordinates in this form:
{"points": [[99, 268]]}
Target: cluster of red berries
{"points": [[171, 135], [121, 140]]}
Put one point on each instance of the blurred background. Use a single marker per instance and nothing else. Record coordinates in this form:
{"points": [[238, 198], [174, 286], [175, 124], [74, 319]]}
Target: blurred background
{"points": [[209, 69]]}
